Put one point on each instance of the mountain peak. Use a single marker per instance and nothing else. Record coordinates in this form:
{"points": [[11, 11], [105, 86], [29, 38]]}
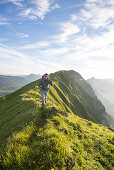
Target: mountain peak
{"points": [[66, 134]]}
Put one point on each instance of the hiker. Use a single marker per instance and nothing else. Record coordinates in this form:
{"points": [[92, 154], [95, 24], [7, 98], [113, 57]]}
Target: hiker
{"points": [[44, 86]]}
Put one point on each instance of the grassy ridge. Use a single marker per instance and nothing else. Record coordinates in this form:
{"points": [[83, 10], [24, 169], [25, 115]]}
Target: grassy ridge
{"points": [[35, 138], [69, 91], [80, 94], [14, 112], [52, 140]]}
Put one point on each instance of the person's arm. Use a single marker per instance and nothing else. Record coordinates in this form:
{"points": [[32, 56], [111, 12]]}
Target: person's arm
{"points": [[39, 83]]}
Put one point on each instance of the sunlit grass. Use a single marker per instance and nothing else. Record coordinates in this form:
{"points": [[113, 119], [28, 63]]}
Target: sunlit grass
{"points": [[46, 139]]}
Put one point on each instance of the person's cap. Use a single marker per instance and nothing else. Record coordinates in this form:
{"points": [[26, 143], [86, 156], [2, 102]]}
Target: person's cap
{"points": [[46, 74]]}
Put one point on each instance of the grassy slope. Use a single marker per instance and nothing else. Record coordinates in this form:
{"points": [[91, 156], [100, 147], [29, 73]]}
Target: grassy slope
{"points": [[92, 108], [14, 112], [69, 92], [37, 138]]}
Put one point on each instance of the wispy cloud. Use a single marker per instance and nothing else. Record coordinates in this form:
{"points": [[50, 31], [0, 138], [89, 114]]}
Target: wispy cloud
{"points": [[67, 29], [6, 50], [53, 52], [27, 13], [3, 39], [39, 9], [33, 9], [36, 45], [23, 35], [3, 21], [87, 45], [2, 18], [28, 63], [83, 41], [98, 13], [16, 2], [83, 47]]}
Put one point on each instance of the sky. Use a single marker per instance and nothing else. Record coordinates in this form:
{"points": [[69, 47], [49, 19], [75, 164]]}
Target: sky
{"points": [[44, 36]]}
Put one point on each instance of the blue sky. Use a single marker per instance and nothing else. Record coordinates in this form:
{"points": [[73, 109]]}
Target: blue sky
{"points": [[38, 36]]}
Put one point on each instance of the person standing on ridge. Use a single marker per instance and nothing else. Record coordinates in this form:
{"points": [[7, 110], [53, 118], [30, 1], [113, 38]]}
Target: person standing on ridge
{"points": [[44, 86]]}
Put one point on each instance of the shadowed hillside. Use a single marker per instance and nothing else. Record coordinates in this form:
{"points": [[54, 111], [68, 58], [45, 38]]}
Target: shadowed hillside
{"points": [[78, 91], [9, 84], [54, 137], [104, 89]]}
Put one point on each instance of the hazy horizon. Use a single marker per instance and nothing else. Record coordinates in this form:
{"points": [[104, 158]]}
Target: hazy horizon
{"points": [[47, 36], [106, 78]]}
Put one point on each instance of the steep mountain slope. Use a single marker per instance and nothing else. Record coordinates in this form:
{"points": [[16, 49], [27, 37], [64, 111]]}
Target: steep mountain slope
{"points": [[9, 84], [54, 137], [78, 91], [104, 89]]}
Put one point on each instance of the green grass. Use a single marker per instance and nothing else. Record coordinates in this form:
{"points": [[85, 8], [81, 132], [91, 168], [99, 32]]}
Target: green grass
{"points": [[43, 145], [83, 101], [35, 138]]}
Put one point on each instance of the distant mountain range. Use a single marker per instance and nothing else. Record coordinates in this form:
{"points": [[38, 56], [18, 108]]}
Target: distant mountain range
{"points": [[104, 89], [9, 84]]}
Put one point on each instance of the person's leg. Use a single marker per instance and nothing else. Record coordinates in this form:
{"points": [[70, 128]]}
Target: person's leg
{"points": [[43, 95], [46, 91]]}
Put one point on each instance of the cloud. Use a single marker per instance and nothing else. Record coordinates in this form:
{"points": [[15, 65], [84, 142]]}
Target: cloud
{"points": [[89, 45], [36, 45], [23, 35], [55, 6], [98, 13], [86, 51], [84, 47], [55, 51], [84, 42], [17, 2], [99, 69], [74, 17], [7, 51], [67, 29], [39, 9], [12, 60], [33, 9], [3, 21], [26, 12], [3, 39], [2, 18]]}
